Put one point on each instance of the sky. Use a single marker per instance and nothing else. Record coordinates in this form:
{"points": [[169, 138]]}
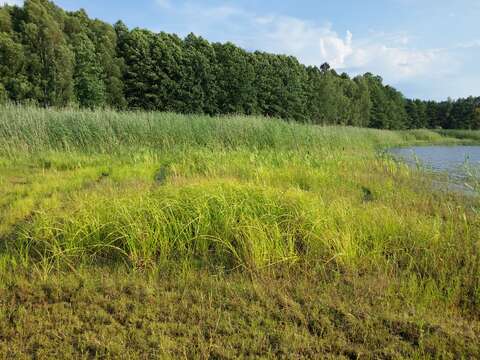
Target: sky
{"points": [[428, 49]]}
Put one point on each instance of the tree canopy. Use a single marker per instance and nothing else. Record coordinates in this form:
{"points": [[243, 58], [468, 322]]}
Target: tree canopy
{"points": [[56, 58]]}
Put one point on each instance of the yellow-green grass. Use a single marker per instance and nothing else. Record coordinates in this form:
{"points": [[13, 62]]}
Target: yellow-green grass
{"points": [[166, 194], [108, 314]]}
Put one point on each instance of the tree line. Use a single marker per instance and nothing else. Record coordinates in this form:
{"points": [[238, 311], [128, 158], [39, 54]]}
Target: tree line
{"points": [[57, 58]]}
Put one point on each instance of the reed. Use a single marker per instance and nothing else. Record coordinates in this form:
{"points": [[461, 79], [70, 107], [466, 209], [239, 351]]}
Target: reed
{"points": [[154, 189]]}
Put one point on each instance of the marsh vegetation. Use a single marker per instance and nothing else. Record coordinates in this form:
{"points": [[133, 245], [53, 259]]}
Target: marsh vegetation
{"points": [[276, 238]]}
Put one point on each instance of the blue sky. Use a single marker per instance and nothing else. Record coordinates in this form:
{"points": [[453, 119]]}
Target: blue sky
{"points": [[428, 49]]}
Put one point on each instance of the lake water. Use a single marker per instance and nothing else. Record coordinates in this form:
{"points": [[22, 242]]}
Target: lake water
{"points": [[460, 163]]}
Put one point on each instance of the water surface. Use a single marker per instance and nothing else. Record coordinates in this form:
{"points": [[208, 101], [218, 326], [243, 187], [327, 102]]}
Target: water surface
{"points": [[461, 164]]}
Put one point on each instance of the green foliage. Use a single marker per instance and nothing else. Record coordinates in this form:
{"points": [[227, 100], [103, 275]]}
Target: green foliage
{"points": [[95, 45], [235, 77], [5, 20], [49, 59], [134, 234], [388, 107], [54, 58], [3, 94], [12, 63], [112, 314], [36, 130], [475, 124], [362, 103], [89, 86], [358, 254]]}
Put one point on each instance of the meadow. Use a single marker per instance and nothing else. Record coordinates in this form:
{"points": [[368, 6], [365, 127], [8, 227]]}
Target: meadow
{"points": [[162, 235]]}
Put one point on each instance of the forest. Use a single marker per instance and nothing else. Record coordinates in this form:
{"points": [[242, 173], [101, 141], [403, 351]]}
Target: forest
{"points": [[55, 58]]}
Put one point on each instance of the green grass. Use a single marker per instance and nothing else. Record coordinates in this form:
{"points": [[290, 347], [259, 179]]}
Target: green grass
{"points": [[106, 314], [461, 134], [217, 211]]}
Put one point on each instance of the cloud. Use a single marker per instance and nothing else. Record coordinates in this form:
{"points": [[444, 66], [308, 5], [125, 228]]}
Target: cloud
{"points": [[469, 44], [11, 2], [397, 63], [165, 4], [386, 54], [390, 55], [312, 43]]}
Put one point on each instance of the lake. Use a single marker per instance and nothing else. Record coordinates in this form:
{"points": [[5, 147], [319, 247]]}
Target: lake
{"points": [[460, 163]]}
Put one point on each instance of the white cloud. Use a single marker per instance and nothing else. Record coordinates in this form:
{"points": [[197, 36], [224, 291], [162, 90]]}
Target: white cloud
{"points": [[312, 44], [390, 55], [397, 63], [11, 2], [469, 44], [386, 54]]}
